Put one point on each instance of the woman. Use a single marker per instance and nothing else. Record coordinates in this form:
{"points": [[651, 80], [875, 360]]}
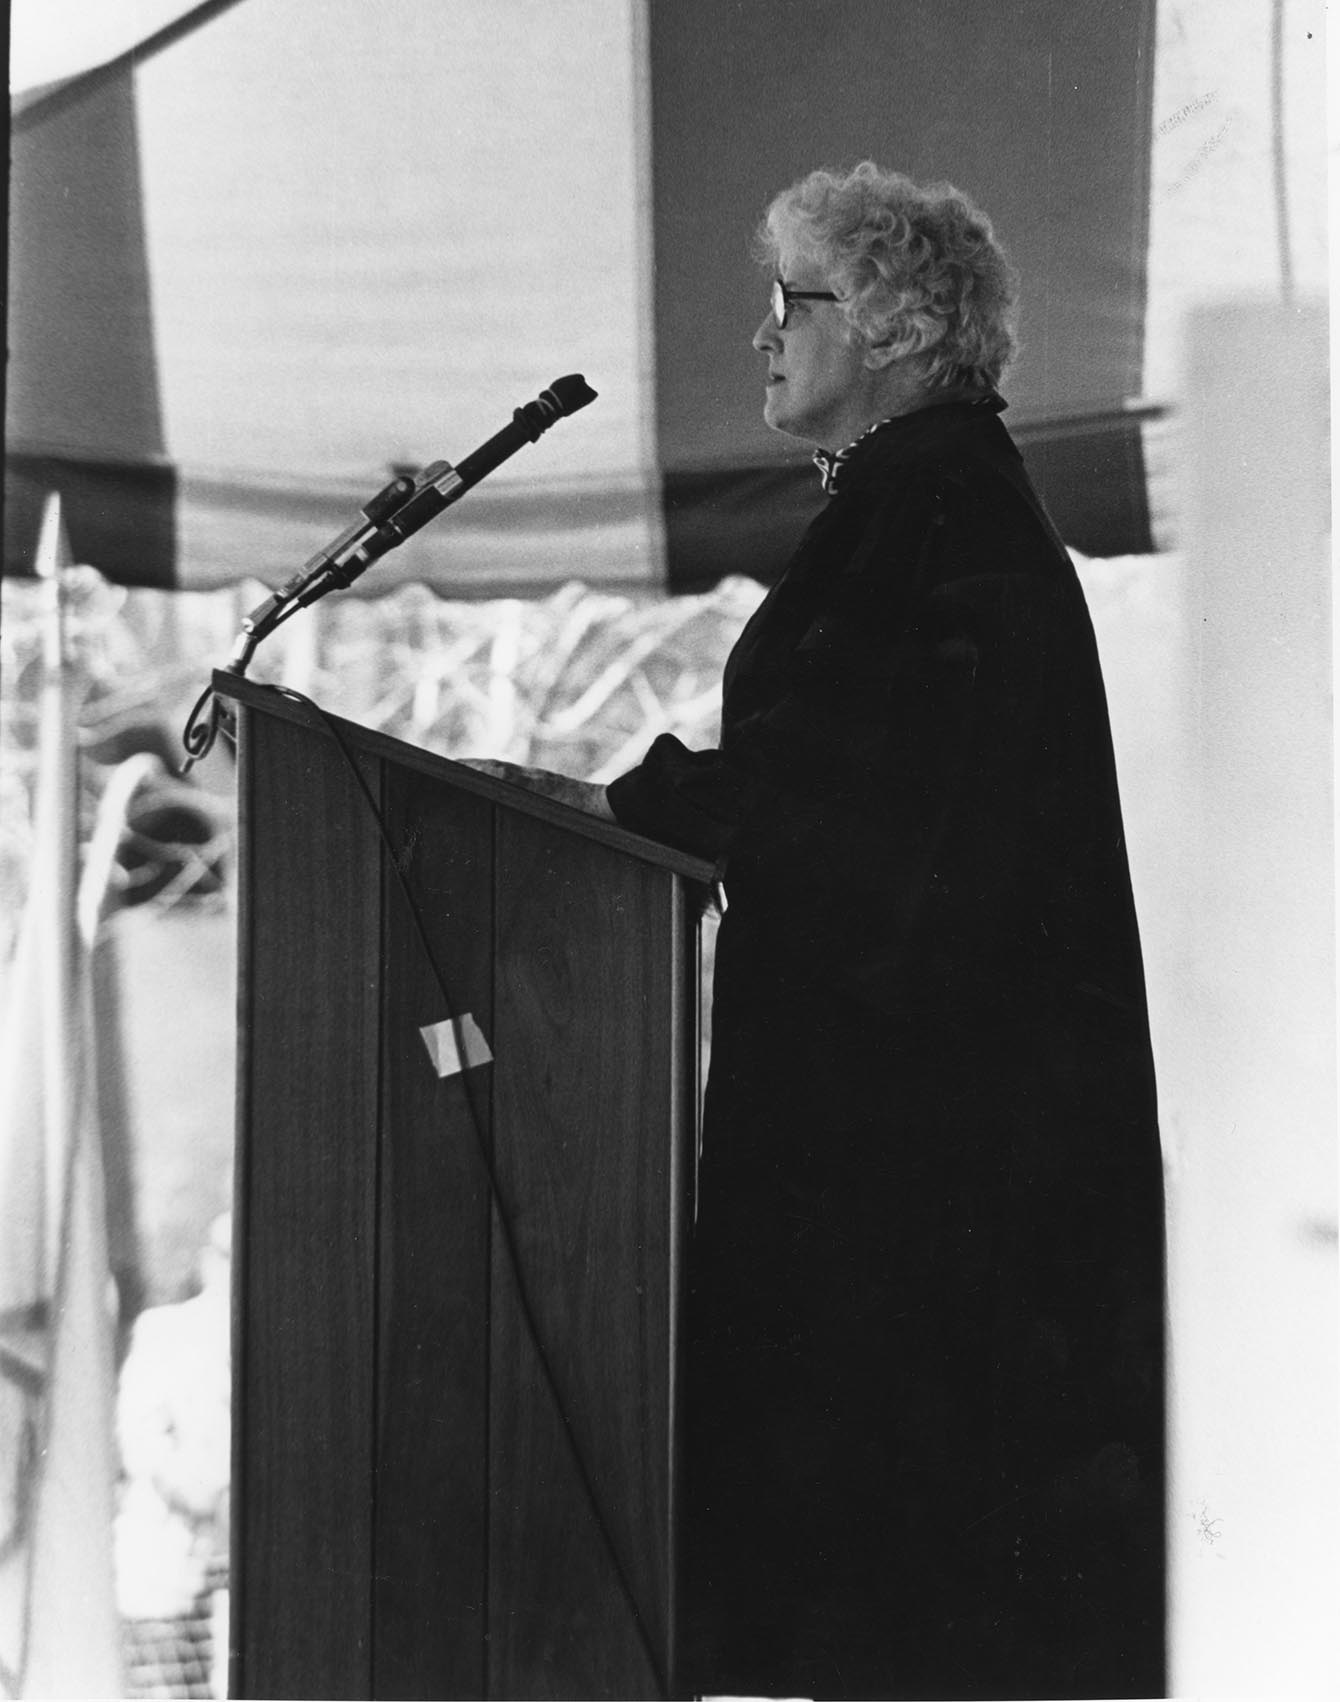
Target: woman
{"points": [[924, 1348]]}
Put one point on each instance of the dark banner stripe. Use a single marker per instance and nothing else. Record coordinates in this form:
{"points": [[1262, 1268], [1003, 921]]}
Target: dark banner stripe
{"points": [[83, 371], [748, 519], [1091, 475], [120, 517], [728, 520]]}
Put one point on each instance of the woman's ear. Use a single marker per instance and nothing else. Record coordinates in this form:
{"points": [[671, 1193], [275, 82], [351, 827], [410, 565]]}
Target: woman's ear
{"points": [[879, 355]]}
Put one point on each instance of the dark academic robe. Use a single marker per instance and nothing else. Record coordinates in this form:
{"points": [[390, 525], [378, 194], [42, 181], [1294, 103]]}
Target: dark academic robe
{"points": [[923, 1409]]}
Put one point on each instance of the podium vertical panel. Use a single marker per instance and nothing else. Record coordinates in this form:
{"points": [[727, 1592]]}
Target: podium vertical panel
{"points": [[308, 1067], [588, 1092], [410, 1518], [433, 1258]]}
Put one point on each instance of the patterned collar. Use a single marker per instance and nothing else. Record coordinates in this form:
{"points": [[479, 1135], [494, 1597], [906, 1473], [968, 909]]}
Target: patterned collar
{"points": [[830, 463]]}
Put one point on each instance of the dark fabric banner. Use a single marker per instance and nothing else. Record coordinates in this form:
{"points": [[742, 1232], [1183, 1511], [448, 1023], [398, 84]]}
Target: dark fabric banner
{"points": [[83, 414], [1039, 109]]}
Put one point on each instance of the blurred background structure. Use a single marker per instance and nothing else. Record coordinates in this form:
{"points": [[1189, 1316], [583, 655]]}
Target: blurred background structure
{"points": [[262, 253]]}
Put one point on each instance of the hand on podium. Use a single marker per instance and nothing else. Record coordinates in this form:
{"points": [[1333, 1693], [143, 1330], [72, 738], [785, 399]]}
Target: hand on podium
{"points": [[582, 795]]}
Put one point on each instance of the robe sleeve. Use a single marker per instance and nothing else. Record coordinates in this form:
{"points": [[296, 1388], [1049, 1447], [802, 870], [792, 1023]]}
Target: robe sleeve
{"points": [[874, 698], [696, 800]]}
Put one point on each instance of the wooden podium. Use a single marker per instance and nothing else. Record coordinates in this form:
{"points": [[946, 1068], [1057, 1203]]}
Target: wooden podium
{"points": [[410, 1512]]}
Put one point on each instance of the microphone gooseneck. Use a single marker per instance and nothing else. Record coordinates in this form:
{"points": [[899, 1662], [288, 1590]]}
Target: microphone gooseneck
{"points": [[403, 508], [443, 484], [395, 513]]}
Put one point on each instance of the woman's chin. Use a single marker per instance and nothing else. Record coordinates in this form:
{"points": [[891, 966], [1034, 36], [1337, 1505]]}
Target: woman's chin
{"points": [[778, 417]]}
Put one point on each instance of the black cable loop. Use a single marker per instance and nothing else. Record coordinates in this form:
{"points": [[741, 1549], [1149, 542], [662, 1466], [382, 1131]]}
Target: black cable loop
{"points": [[201, 730], [496, 1194]]}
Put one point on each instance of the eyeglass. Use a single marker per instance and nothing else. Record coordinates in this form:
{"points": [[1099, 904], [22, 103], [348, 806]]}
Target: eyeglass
{"points": [[783, 295]]}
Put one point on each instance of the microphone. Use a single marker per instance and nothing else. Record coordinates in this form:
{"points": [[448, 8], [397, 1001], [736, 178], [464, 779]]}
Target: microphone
{"points": [[441, 484], [312, 579], [395, 513]]}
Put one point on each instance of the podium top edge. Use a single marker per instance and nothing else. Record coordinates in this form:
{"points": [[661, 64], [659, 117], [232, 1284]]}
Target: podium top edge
{"points": [[273, 700]]}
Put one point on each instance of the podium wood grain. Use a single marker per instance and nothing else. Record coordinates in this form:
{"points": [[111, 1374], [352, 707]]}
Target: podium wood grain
{"points": [[433, 1304], [589, 1030], [409, 1517], [306, 1191]]}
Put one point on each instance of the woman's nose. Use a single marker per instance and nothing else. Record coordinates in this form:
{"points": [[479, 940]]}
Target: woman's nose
{"points": [[767, 337]]}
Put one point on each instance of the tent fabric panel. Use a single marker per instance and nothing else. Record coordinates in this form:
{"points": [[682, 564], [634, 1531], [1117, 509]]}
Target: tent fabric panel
{"points": [[83, 414], [374, 231], [721, 521], [304, 286], [136, 520], [119, 516], [1092, 476], [370, 242], [748, 519], [502, 539], [83, 370], [51, 41], [1038, 108]]}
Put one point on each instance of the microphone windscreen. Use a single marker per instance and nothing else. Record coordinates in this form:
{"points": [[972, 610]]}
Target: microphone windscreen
{"points": [[571, 392]]}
